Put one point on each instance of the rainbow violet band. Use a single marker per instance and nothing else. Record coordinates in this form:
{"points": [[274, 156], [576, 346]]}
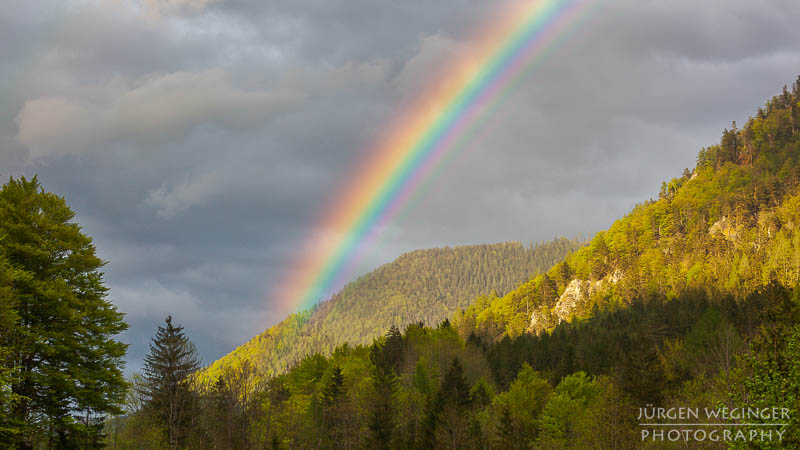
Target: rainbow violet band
{"points": [[421, 137]]}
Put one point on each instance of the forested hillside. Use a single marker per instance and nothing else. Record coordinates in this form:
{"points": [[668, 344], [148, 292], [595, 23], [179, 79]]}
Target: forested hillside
{"points": [[691, 301], [420, 286], [727, 227]]}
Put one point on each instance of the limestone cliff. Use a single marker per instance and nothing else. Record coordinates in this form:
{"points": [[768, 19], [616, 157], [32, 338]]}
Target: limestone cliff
{"points": [[575, 298]]}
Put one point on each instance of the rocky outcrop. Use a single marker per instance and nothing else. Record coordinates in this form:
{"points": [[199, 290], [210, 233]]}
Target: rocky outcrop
{"points": [[725, 228], [575, 297]]}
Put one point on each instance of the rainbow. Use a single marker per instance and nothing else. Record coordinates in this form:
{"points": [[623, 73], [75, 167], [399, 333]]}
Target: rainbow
{"points": [[422, 138]]}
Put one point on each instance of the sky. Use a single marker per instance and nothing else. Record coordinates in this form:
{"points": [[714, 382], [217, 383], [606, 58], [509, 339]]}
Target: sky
{"points": [[198, 141]]}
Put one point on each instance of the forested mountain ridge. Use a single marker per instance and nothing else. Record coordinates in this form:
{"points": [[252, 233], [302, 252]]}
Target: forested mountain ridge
{"points": [[690, 302], [727, 227], [420, 286]]}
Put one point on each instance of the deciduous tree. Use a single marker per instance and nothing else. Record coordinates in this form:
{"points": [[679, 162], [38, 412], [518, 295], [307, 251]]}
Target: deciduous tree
{"points": [[65, 364]]}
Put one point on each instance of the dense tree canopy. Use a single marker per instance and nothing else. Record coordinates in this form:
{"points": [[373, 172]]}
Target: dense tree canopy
{"points": [[690, 301], [423, 285], [58, 351], [729, 226]]}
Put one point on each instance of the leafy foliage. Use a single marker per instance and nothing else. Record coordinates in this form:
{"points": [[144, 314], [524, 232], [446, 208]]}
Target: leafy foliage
{"points": [[61, 366], [421, 286], [691, 300], [728, 227]]}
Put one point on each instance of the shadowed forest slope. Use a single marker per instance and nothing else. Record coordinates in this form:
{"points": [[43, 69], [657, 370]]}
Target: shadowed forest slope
{"points": [[727, 227], [420, 286]]}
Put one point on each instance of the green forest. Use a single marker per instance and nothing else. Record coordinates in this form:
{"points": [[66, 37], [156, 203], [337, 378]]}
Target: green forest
{"points": [[690, 301], [421, 286]]}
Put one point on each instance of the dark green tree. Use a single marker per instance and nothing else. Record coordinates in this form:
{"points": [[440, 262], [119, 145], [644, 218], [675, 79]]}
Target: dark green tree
{"points": [[455, 388], [548, 290], [8, 320], [385, 383], [172, 359], [334, 409], [446, 425], [393, 350], [507, 431], [59, 339], [564, 274], [334, 389]]}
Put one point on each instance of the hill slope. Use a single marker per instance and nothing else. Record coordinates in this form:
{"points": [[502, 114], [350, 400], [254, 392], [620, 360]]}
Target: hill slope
{"points": [[690, 302], [728, 227], [423, 285]]}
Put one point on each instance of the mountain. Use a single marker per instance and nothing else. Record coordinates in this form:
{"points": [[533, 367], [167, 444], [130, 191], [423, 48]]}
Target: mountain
{"points": [[726, 228], [420, 286], [688, 304]]}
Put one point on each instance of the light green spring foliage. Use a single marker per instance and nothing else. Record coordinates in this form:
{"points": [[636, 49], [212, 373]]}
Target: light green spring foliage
{"points": [[59, 360], [421, 286], [704, 315], [727, 227]]}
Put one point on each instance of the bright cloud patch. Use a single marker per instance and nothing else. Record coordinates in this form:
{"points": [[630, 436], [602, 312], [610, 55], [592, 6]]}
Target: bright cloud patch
{"points": [[156, 108]]}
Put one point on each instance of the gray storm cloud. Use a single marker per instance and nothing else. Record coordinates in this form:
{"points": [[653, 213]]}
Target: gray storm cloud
{"points": [[199, 140], [158, 107]]}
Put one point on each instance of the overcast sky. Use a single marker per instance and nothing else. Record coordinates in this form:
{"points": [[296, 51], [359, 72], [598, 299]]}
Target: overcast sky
{"points": [[198, 140]]}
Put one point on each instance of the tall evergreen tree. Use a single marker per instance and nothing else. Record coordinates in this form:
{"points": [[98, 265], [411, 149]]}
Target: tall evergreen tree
{"points": [[548, 290], [334, 389], [506, 430], [445, 426], [172, 359], [385, 383], [455, 388], [393, 349], [63, 363]]}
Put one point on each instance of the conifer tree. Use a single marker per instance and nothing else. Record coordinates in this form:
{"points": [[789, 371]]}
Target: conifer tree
{"points": [[455, 388], [506, 430], [385, 383], [548, 290], [447, 421], [172, 359], [335, 388], [393, 349]]}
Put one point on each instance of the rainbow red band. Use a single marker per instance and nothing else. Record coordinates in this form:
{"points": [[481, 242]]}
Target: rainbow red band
{"points": [[421, 139]]}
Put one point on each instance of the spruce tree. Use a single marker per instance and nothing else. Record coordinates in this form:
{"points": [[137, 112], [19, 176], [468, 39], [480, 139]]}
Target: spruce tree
{"points": [[506, 430], [385, 384], [334, 389], [61, 363], [172, 359], [455, 388]]}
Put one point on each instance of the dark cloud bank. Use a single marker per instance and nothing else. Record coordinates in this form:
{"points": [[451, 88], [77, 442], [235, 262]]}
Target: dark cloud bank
{"points": [[198, 139]]}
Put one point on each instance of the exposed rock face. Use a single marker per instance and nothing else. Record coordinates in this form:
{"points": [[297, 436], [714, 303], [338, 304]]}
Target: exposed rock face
{"points": [[541, 319], [724, 227], [575, 296]]}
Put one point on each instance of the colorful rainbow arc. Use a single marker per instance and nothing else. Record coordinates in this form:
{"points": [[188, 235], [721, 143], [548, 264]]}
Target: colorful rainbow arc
{"points": [[421, 139]]}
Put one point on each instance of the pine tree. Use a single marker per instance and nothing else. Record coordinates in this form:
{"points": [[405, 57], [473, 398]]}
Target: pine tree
{"points": [[172, 359], [65, 365], [564, 275], [548, 290], [384, 381], [334, 389], [393, 349], [449, 421], [334, 410], [506, 430]]}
